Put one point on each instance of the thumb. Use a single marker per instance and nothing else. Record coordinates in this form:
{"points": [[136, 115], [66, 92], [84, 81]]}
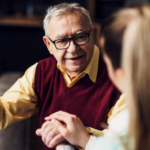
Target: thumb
{"points": [[38, 132]]}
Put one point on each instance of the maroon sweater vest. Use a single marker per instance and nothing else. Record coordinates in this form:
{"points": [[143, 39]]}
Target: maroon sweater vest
{"points": [[90, 101]]}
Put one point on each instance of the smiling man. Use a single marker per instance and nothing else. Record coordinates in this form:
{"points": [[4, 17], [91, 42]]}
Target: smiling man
{"points": [[74, 59], [71, 41], [74, 79]]}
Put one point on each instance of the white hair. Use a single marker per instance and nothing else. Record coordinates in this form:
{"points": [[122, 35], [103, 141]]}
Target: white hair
{"points": [[61, 9]]}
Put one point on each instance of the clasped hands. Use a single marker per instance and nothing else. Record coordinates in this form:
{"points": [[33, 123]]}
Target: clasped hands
{"points": [[61, 127]]}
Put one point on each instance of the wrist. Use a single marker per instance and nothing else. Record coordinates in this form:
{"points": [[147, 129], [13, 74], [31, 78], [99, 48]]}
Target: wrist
{"points": [[83, 142]]}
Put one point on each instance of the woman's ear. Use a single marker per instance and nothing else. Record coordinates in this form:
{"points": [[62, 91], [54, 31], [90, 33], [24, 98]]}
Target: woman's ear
{"points": [[47, 43], [120, 72], [121, 78]]}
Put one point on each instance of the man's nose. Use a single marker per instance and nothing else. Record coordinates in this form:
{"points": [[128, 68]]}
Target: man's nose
{"points": [[72, 48]]}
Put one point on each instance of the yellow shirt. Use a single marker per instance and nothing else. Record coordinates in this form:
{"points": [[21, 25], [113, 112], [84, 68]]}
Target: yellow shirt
{"points": [[20, 101]]}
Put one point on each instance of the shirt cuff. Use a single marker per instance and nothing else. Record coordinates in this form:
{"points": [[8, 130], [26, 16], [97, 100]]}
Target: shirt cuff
{"points": [[90, 143]]}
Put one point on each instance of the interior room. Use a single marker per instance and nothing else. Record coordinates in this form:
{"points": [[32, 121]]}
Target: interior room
{"points": [[21, 36]]}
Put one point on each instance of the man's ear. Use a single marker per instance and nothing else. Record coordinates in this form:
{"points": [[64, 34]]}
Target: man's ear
{"points": [[93, 32], [47, 43]]}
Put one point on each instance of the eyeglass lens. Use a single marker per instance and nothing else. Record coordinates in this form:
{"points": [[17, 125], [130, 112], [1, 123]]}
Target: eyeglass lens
{"points": [[79, 40]]}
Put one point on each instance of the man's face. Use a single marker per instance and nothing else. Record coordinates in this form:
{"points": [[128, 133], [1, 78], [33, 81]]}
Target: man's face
{"points": [[75, 58]]}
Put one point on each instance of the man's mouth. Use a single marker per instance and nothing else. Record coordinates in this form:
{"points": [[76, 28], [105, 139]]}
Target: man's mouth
{"points": [[75, 58]]}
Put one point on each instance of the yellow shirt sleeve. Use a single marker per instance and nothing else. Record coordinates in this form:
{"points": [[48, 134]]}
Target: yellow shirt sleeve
{"points": [[119, 106], [20, 101]]}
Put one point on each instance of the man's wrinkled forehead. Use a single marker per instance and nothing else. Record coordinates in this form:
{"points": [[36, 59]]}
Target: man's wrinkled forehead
{"points": [[75, 21]]}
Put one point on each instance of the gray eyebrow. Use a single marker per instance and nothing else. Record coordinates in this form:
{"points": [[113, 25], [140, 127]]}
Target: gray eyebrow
{"points": [[81, 31], [60, 36], [78, 32]]}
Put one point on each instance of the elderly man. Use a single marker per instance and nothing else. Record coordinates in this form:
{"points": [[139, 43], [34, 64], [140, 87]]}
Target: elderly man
{"points": [[73, 80]]}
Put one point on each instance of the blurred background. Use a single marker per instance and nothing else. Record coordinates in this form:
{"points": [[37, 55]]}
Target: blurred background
{"points": [[21, 31], [21, 45]]}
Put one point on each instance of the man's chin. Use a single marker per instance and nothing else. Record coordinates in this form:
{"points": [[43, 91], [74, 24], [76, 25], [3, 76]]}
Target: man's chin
{"points": [[75, 70]]}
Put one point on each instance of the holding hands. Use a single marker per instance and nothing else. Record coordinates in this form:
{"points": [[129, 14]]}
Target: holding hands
{"points": [[50, 134], [62, 125]]}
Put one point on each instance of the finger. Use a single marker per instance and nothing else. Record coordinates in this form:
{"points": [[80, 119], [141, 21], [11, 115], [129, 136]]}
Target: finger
{"points": [[57, 113], [62, 129], [49, 136], [61, 118], [45, 124], [49, 133], [46, 128], [56, 140], [66, 118], [38, 132]]}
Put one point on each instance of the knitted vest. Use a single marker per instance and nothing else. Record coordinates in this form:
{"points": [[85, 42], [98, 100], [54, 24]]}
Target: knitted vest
{"points": [[90, 101]]}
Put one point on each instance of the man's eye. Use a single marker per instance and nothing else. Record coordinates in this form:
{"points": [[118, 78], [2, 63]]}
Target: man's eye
{"points": [[81, 38], [63, 41]]}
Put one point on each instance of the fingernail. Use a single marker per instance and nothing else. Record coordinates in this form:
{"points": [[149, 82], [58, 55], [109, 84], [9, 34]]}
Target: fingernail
{"points": [[53, 120]]}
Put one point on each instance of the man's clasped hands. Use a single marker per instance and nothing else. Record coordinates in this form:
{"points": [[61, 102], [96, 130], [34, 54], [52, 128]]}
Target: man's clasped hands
{"points": [[61, 127]]}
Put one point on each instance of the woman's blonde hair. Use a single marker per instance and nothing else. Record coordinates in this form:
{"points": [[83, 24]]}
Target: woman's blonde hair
{"points": [[136, 65], [112, 31]]}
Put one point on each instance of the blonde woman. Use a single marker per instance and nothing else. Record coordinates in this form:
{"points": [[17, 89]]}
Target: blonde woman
{"points": [[136, 64], [127, 29]]}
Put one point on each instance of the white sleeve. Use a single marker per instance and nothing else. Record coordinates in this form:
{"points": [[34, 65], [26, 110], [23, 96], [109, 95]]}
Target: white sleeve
{"points": [[64, 147], [91, 143]]}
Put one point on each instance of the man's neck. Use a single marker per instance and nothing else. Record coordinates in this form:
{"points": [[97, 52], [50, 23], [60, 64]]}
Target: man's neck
{"points": [[72, 75]]}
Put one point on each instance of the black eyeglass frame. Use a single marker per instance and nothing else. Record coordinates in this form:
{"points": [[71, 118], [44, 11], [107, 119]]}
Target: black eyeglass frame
{"points": [[70, 40]]}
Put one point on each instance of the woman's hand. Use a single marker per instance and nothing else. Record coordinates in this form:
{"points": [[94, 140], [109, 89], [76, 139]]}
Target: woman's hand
{"points": [[70, 127]]}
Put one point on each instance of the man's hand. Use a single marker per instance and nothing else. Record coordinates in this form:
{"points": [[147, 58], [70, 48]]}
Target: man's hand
{"points": [[73, 130], [50, 135]]}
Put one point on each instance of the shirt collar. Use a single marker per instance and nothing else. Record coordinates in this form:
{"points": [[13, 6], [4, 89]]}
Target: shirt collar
{"points": [[92, 68]]}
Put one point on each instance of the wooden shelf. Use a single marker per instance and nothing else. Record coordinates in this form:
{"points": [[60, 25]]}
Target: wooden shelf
{"points": [[110, 0], [34, 21]]}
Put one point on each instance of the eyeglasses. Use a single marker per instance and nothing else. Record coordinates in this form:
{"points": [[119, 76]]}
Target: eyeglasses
{"points": [[78, 40]]}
